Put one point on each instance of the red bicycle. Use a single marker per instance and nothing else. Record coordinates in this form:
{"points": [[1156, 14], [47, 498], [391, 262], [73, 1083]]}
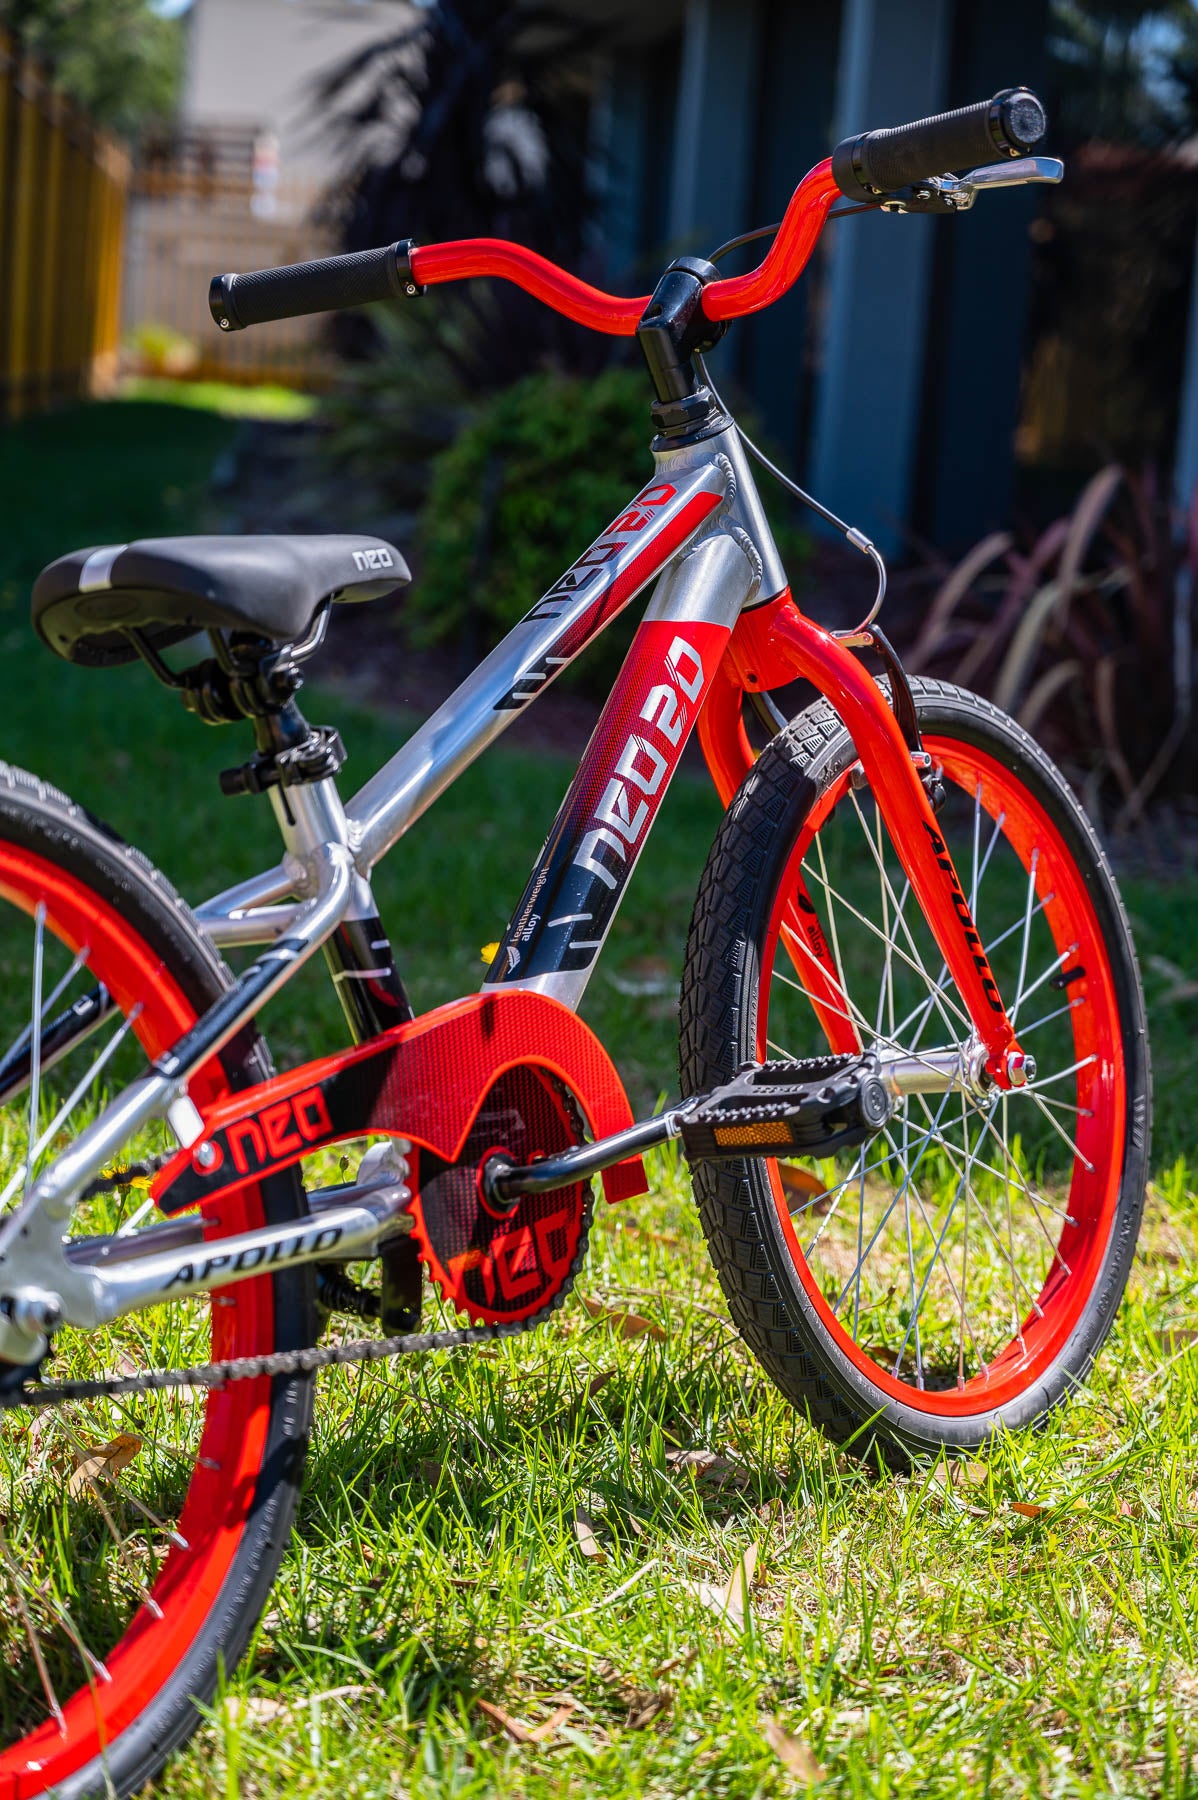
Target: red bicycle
{"points": [[913, 1053]]}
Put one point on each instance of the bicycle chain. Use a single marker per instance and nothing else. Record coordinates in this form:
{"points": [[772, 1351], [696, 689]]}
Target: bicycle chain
{"points": [[278, 1362]]}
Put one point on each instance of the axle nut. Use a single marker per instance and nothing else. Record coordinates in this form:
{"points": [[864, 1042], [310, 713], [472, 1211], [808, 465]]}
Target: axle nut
{"points": [[1021, 1068], [875, 1102]]}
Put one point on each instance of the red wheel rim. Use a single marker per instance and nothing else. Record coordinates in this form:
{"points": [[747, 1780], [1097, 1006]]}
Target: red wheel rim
{"points": [[213, 1517], [1064, 902]]}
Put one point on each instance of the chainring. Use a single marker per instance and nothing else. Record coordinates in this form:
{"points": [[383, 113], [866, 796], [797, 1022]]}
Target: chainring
{"points": [[497, 1266]]}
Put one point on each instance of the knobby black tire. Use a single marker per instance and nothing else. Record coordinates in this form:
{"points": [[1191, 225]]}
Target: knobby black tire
{"points": [[37, 818], [719, 1003]]}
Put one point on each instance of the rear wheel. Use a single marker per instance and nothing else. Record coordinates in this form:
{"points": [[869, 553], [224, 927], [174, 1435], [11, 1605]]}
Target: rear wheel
{"points": [[138, 1536], [959, 1272]]}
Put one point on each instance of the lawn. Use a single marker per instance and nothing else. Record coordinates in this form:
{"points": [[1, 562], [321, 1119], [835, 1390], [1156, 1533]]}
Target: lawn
{"points": [[907, 1634]]}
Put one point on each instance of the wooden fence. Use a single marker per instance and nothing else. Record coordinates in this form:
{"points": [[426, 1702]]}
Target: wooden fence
{"points": [[62, 206], [199, 206]]}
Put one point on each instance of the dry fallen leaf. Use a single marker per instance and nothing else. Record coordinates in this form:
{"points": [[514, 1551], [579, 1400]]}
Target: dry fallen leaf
{"points": [[801, 1189], [109, 1460], [691, 1459], [588, 1543], [517, 1730], [550, 1725], [597, 1383], [730, 1602], [1173, 1339], [629, 1325], [519, 1733], [682, 1660], [708, 1465], [253, 1709], [645, 1705], [430, 1470], [792, 1752], [1028, 1509], [960, 1474]]}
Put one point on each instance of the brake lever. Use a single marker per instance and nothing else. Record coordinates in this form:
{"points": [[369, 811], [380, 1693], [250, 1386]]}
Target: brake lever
{"points": [[956, 193]]}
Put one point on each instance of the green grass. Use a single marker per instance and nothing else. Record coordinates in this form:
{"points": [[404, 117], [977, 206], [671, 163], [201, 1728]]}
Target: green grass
{"points": [[228, 399], [921, 1638]]}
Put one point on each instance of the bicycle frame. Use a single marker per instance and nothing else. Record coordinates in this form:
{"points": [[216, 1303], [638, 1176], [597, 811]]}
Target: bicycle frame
{"points": [[721, 623]]}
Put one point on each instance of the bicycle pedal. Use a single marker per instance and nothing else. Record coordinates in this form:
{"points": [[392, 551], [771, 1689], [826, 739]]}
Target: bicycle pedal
{"points": [[806, 1108]]}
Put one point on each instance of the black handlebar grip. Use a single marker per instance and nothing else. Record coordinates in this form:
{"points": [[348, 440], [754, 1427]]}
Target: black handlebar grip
{"points": [[332, 282], [876, 163]]}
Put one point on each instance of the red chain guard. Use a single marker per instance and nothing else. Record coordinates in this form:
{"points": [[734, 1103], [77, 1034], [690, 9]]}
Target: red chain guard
{"points": [[426, 1080]]}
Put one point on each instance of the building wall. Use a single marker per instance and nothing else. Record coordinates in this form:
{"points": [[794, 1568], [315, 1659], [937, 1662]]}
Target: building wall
{"points": [[890, 375], [253, 62]]}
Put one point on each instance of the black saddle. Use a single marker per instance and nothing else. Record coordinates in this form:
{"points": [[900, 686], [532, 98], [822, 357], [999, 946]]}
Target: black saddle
{"points": [[169, 588]]}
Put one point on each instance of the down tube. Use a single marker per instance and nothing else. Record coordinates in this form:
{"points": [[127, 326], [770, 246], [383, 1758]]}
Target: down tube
{"points": [[574, 892]]}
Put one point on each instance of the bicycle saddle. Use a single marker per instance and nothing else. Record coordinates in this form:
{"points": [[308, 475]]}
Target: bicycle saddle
{"points": [[169, 588]]}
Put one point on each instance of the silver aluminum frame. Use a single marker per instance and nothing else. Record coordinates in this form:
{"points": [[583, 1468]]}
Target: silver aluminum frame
{"points": [[718, 556]]}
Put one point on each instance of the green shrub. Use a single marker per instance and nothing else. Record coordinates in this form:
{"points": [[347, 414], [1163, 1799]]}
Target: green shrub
{"points": [[155, 349], [516, 498]]}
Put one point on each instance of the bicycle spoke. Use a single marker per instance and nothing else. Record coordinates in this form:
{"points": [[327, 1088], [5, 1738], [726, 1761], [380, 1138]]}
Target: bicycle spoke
{"points": [[1027, 928], [16, 1582], [917, 960], [1034, 1087], [1025, 1031], [1083, 1112], [854, 1016], [60, 988], [988, 950], [918, 967], [915, 1300], [1005, 1250], [860, 1240], [35, 1026], [1048, 974], [71, 1102], [120, 1542], [1063, 1134], [924, 1142], [1016, 1322]]}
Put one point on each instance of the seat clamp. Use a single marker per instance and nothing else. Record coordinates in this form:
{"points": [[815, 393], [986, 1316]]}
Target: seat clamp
{"points": [[320, 756]]}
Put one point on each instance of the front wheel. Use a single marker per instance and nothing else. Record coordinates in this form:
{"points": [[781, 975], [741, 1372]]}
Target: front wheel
{"points": [[959, 1272]]}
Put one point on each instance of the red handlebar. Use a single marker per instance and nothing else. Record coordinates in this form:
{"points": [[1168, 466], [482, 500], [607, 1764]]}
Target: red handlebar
{"points": [[578, 300], [589, 306]]}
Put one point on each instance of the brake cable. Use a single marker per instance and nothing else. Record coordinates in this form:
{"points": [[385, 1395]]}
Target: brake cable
{"points": [[856, 538]]}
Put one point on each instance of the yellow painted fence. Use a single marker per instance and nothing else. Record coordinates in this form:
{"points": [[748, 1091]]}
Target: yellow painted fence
{"points": [[62, 214]]}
